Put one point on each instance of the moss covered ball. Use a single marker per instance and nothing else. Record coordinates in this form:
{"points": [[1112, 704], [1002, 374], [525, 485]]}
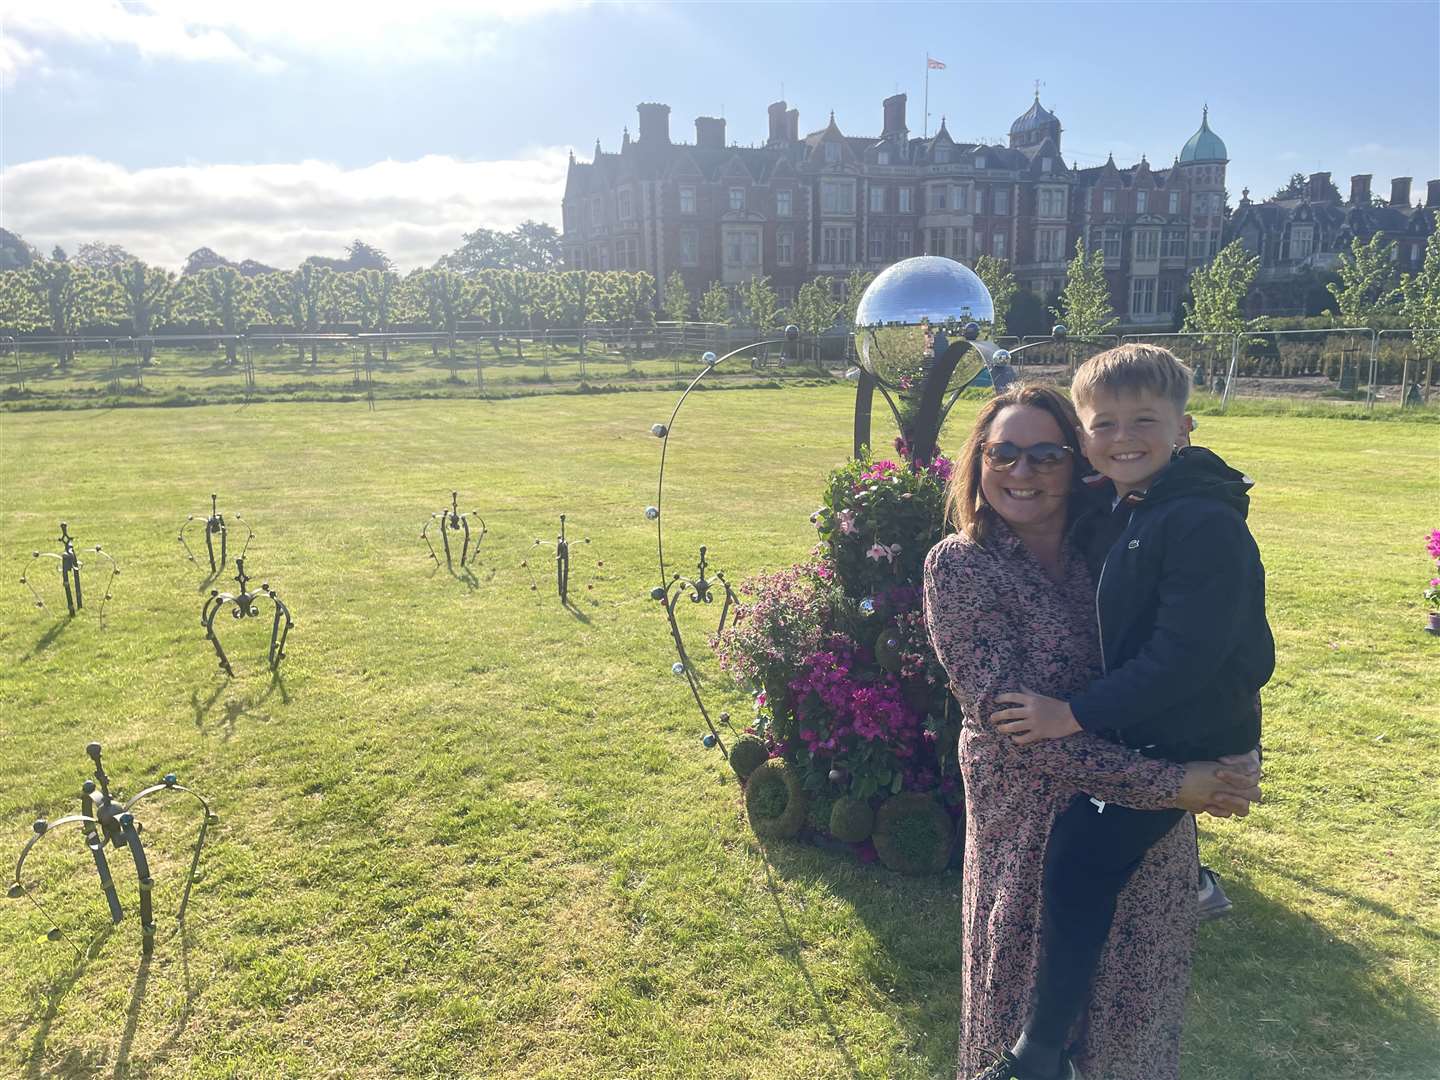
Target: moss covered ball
{"points": [[913, 834], [775, 801], [747, 755], [851, 820]]}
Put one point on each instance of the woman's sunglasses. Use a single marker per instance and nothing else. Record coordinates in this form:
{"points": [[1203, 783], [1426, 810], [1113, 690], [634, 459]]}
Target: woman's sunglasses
{"points": [[1043, 456]]}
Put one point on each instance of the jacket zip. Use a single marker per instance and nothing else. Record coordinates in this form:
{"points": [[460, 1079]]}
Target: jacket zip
{"points": [[1099, 624]]}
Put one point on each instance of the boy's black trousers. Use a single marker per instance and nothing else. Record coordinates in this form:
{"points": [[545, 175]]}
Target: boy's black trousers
{"points": [[1092, 852]]}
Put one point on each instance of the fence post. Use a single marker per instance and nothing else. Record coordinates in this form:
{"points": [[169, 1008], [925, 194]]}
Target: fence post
{"points": [[1230, 375], [1374, 372]]}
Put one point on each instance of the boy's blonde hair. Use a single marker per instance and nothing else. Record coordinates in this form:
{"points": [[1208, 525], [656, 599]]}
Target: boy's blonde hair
{"points": [[1132, 369]]}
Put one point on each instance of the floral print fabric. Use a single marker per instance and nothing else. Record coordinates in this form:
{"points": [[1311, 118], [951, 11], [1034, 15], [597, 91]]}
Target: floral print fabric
{"points": [[999, 623]]}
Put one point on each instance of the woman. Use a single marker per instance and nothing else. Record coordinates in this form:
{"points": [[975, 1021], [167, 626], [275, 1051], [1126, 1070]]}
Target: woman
{"points": [[1009, 603]]}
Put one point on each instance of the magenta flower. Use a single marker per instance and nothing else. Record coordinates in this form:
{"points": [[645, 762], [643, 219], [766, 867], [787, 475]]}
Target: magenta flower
{"points": [[1432, 544]]}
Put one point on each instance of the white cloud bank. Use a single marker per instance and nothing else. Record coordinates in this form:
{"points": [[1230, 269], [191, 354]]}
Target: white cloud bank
{"points": [[415, 211], [259, 33]]}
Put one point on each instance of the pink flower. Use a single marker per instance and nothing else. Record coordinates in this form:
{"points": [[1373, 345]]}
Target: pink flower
{"points": [[847, 522], [882, 551], [1432, 544]]}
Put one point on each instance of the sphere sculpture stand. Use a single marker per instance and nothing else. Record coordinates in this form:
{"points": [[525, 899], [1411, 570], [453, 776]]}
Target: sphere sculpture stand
{"points": [[246, 607], [214, 526], [452, 520], [105, 820], [70, 567], [701, 588], [562, 564]]}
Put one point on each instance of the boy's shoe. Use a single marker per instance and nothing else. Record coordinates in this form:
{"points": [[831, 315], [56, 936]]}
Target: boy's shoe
{"points": [[1005, 1067], [1213, 903]]}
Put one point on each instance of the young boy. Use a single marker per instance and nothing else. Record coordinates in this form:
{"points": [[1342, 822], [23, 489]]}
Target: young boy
{"points": [[1185, 648]]}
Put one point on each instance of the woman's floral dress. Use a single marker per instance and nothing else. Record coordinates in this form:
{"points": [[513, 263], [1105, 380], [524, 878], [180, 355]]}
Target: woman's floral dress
{"points": [[998, 623]]}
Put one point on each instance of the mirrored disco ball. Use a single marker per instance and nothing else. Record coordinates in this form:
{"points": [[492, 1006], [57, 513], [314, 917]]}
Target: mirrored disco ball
{"points": [[912, 312]]}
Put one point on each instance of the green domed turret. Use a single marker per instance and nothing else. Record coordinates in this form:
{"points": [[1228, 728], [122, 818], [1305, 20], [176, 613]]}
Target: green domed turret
{"points": [[1204, 145]]}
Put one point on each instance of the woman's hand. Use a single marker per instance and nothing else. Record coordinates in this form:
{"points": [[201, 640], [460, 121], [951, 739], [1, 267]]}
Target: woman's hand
{"points": [[1222, 789]]}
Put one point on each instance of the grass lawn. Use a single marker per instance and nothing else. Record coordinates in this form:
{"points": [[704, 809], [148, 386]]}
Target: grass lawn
{"points": [[471, 833]]}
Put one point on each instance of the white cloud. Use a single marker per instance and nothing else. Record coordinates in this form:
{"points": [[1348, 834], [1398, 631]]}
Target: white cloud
{"points": [[413, 210], [260, 33]]}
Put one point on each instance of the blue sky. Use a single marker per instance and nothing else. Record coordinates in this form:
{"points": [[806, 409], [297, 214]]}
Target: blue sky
{"points": [[278, 128]]}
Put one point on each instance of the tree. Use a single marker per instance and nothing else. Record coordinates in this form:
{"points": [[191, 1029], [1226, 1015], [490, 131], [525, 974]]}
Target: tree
{"points": [[759, 303], [302, 297], [222, 298], [62, 297], [101, 257], [147, 296], [15, 253], [1085, 300], [363, 256], [373, 297], [816, 307], [1420, 292], [1367, 281], [677, 299], [854, 288], [531, 245], [1027, 316], [715, 304], [1218, 290], [1000, 283]]}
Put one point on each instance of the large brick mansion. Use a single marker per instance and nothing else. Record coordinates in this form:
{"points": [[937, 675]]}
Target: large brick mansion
{"points": [[829, 203]]}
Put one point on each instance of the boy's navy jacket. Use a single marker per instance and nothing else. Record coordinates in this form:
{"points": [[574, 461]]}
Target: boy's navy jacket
{"points": [[1180, 605]]}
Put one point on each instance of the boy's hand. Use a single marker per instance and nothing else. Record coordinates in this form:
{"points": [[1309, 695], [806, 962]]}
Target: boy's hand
{"points": [[1033, 717]]}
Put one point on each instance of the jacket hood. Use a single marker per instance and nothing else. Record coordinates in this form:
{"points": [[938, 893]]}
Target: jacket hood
{"points": [[1195, 471]]}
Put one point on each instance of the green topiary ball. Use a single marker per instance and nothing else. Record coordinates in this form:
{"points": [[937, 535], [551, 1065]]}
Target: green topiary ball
{"points": [[775, 801], [747, 755], [851, 820], [913, 834]]}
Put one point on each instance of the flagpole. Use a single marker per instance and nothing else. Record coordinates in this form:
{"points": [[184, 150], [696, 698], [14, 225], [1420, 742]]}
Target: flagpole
{"points": [[926, 124]]}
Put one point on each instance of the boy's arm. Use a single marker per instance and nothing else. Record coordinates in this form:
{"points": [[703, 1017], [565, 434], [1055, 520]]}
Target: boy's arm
{"points": [[1207, 571]]}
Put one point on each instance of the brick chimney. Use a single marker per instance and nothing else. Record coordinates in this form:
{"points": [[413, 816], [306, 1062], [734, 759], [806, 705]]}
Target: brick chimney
{"points": [[894, 115], [1360, 189], [710, 132], [1432, 194], [792, 121], [1400, 191], [654, 124], [1319, 190], [778, 127]]}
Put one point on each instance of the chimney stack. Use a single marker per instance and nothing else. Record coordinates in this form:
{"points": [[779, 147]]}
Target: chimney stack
{"points": [[654, 124], [710, 132], [1319, 190], [894, 115], [1360, 189], [792, 120], [1400, 191], [778, 132], [1432, 195]]}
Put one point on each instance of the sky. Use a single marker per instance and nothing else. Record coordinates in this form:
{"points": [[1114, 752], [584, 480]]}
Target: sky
{"points": [[277, 129]]}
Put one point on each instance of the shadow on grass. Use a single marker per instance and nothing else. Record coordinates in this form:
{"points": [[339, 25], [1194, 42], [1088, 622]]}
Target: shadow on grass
{"points": [[236, 707], [48, 638], [74, 1063]]}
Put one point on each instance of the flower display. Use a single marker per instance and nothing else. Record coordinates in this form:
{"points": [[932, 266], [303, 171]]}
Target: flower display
{"points": [[1432, 593]]}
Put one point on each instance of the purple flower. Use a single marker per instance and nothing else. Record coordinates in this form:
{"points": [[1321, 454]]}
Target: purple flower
{"points": [[1432, 544]]}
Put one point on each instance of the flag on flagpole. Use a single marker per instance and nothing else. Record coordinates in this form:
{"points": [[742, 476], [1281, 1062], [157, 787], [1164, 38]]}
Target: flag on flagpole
{"points": [[934, 65]]}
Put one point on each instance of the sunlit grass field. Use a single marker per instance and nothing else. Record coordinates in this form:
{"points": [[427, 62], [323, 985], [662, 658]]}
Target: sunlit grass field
{"points": [[471, 832]]}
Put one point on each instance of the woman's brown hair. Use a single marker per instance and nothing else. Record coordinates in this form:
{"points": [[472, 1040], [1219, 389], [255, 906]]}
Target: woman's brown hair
{"points": [[964, 507]]}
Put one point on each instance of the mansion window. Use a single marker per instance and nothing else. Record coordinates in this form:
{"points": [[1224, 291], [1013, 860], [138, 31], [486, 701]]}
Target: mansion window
{"points": [[1174, 244], [837, 196], [689, 247], [1110, 243], [1147, 245], [597, 212], [979, 206], [832, 153], [1142, 202], [1167, 296], [997, 245], [959, 243], [785, 294], [1174, 202], [1142, 296], [600, 258], [627, 253], [785, 247], [1000, 202], [875, 249], [942, 156], [1204, 244], [1301, 241], [980, 162], [737, 198], [902, 241], [959, 196], [625, 203], [742, 247], [1052, 202], [687, 200], [1049, 245], [904, 194], [883, 157], [1046, 164], [1107, 200], [877, 200], [783, 206], [936, 195], [937, 242], [837, 244]]}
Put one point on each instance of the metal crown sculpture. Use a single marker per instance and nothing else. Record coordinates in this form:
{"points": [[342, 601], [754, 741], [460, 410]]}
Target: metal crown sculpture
{"points": [[70, 567], [215, 526], [452, 520], [245, 607], [106, 820], [562, 563]]}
